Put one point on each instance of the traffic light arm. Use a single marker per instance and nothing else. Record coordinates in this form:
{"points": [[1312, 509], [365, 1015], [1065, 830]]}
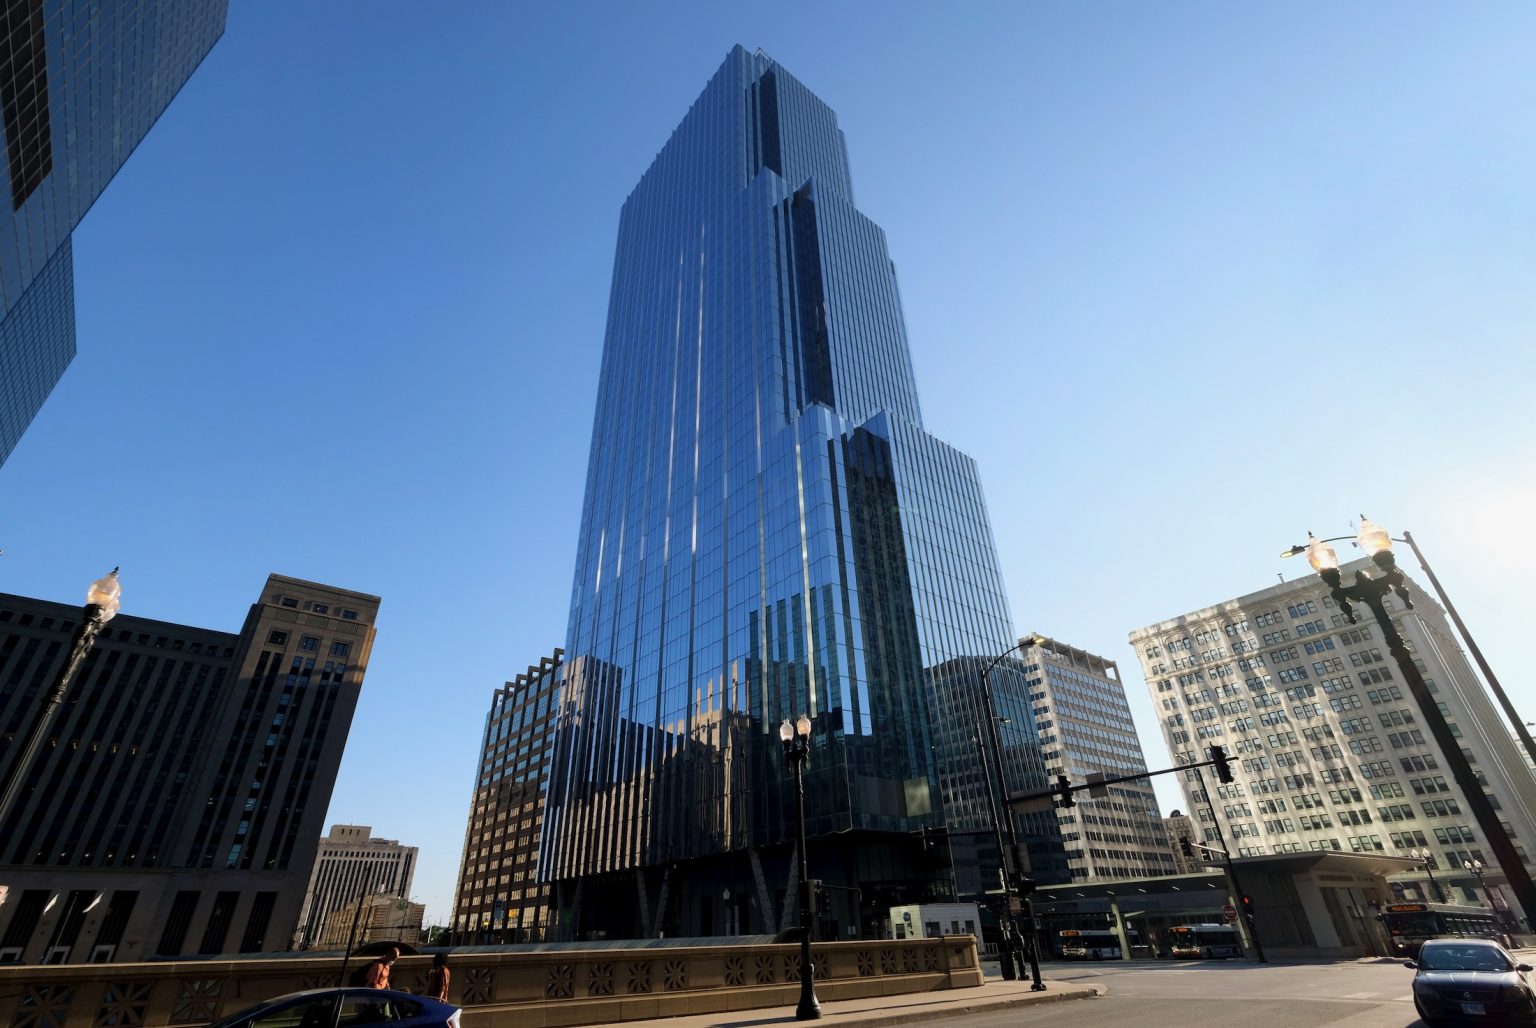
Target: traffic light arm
{"points": [[1021, 802]]}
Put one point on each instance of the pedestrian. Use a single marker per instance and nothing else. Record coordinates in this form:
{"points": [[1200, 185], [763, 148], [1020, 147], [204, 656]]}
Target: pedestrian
{"points": [[376, 974], [437, 978]]}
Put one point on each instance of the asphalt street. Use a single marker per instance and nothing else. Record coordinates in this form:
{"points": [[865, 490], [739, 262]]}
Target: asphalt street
{"points": [[1192, 994]]}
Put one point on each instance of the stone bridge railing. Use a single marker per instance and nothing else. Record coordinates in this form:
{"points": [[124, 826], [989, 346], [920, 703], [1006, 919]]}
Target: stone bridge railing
{"points": [[497, 988]]}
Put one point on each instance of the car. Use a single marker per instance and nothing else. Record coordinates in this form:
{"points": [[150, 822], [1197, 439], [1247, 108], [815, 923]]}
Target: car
{"points": [[345, 1008], [1471, 981]]}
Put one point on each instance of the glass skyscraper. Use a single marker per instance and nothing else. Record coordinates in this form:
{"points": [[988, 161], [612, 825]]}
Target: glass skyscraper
{"points": [[81, 82], [769, 529]]}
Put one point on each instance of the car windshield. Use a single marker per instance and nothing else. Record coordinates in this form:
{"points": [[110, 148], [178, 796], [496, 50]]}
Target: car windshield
{"points": [[1463, 958]]}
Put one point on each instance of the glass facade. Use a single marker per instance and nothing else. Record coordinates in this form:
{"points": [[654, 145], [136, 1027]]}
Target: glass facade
{"points": [[81, 82], [768, 529]]}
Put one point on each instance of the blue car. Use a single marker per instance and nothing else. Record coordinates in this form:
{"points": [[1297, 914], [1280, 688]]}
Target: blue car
{"points": [[1471, 981], [345, 1008]]}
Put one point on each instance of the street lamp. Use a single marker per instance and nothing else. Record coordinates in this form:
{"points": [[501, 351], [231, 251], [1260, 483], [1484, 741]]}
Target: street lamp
{"points": [[1373, 592], [1515, 720], [1476, 867], [101, 602], [1429, 869], [796, 738], [1014, 884]]}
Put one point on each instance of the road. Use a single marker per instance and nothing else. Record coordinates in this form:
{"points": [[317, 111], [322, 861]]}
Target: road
{"points": [[1194, 994]]}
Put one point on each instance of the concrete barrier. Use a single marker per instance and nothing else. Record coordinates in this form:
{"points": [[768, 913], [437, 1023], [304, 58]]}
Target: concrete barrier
{"points": [[501, 988]]}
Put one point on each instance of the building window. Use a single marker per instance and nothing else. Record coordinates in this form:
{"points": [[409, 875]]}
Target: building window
{"points": [[309, 643], [348, 615], [288, 601], [340, 649], [321, 608], [277, 638]]}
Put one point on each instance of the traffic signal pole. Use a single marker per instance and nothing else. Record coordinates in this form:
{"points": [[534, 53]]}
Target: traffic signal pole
{"points": [[1064, 790], [1248, 932]]}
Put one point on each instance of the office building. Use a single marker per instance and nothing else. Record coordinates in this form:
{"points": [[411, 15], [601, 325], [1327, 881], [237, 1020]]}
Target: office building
{"points": [[176, 804], [1329, 749], [768, 530], [81, 82], [379, 917], [499, 897], [1085, 728], [352, 864]]}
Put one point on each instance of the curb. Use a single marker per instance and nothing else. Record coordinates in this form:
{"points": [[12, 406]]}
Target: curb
{"points": [[979, 1006]]}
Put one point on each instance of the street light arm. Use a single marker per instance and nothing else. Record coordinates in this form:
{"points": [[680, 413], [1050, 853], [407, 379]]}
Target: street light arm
{"points": [[1022, 644]]}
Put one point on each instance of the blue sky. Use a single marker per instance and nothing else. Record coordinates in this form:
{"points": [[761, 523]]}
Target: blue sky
{"points": [[1186, 279]]}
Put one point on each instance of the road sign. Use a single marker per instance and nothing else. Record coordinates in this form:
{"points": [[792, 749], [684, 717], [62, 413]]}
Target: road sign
{"points": [[1229, 913]]}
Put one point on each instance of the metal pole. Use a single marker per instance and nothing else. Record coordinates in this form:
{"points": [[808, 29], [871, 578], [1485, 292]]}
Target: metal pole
{"points": [[1477, 655], [1253, 929], [1004, 816], [808, 1009], [1005, 915], [80, 645], [1370, 591], [1439, 894]]}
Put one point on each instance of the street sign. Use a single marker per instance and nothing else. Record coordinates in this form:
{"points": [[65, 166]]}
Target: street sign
{"points": [[1096, 787], [1015, 905], [1229, 913]]}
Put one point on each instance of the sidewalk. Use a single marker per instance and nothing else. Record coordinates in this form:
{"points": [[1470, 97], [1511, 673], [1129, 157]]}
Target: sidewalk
{"points": [[882, 1010]]}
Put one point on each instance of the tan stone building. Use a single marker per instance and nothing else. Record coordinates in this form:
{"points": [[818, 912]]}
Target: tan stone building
{"points": [[1328, 747], [382, 918], [176, 803]]}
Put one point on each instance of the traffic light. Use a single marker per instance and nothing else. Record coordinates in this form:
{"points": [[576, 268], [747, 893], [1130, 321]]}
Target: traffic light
{"points": [[1223, 767], [1248, 910], [1185, 846], [1064, 790]]}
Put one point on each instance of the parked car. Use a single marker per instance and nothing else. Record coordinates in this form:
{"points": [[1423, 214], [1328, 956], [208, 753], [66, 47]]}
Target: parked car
{"points": [[345, 1008], [1471, 980]]}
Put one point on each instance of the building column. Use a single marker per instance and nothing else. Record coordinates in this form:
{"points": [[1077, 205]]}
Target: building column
{"points": [[1310, 896], [1114, 912]]}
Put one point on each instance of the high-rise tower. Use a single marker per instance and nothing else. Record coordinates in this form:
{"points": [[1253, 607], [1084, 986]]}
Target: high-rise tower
{"points": [[81, 82], [768, 530]]}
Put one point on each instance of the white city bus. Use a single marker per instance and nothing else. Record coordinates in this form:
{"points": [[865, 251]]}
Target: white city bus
{"points": [[1204, 940], [1093, 944]]}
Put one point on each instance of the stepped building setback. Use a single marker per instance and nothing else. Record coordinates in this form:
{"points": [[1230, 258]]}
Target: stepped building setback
{"points": [[770, 529]]}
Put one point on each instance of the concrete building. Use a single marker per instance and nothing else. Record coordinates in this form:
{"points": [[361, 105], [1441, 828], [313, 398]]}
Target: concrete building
{"points": [[383, 917], [81, 83], [499, 898], [1328, 747], [351, 864], [1085, 727], [1179, 826], [178, 799]]}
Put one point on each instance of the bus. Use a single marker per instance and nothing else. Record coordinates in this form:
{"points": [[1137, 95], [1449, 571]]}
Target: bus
{"points": [[1410, 925], [1204, 940], [1094, 943]]}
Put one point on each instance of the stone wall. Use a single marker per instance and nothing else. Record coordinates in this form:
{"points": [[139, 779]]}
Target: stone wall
{"points": [[498, 989]]}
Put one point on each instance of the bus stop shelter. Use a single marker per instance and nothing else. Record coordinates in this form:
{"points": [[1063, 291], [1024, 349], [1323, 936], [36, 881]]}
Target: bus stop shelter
{"points": [[1316, 904]]}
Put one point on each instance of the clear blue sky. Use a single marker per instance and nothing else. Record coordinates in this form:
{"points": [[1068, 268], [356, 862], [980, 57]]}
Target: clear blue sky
{"points": [[1186, 279]]}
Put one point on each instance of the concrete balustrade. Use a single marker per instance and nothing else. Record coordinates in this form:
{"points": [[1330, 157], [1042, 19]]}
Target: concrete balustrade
{"points": [[501, 988]]}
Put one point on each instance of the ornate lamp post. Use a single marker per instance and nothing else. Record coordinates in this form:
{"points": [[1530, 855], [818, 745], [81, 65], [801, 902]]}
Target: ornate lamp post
{"points": [[1373, 592], [101, 603], [1476, 867], [1429, 869], [796, 738]]}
